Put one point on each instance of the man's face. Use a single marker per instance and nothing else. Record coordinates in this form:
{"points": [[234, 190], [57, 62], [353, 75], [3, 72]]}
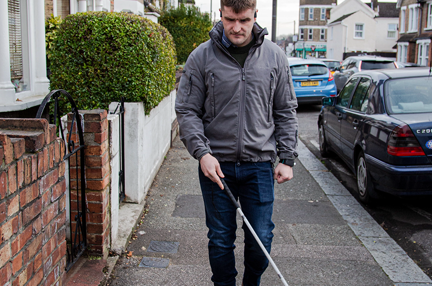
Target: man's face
{"points": [[238, 26]]}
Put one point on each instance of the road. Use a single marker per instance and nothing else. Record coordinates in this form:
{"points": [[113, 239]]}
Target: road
{"points": [[407, 220]]}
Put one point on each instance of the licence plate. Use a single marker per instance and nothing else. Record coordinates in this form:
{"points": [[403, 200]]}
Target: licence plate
{"points": [[309, 83]]}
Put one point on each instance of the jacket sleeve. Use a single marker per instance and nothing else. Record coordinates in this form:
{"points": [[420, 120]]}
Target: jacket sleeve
{"points": [[189, 109], [284, 113]]}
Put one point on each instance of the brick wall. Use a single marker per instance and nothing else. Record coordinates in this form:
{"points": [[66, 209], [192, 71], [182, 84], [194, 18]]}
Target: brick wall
{"points": [[49, 8], [97, 174], [32, 203]]}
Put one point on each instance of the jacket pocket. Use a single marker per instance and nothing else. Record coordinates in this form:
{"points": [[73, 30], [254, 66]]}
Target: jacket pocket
{"points": [[185, 87], [270, 103]]}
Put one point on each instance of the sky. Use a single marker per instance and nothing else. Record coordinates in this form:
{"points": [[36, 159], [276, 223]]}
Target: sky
{"points": [[287, 13]]}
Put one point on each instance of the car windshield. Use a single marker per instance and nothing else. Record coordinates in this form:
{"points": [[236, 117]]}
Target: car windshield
{"points": [[373, 65], [308, 70], [408, 95], [334, 64]]}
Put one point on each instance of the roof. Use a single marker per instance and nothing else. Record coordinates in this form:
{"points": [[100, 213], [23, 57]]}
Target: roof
{"points": [[318, 2], [372, 58], [424, 36], [406, 38], [296, 61], [388, 10], [340, 19]]}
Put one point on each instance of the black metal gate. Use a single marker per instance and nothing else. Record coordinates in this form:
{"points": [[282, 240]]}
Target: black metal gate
{"points": [[120, 110], [77, 240]]}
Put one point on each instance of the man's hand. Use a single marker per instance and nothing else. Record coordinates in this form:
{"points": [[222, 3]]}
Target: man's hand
{"points": [[211, 169], [283, 173]]}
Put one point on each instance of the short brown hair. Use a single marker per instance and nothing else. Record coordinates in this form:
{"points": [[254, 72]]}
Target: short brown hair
{"points": [[238, 5]]}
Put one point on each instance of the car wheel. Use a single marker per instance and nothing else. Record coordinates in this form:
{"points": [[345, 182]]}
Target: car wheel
{"points": [[366, 190], [323, 147]]}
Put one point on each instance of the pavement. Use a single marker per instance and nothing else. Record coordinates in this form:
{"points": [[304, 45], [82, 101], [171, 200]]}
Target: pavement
{"points": [[323, 236]]}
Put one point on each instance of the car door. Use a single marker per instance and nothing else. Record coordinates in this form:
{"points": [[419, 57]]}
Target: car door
{"points": [[353, 118], [333, 119]]}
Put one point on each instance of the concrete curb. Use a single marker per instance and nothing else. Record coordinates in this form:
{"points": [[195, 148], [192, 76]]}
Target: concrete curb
{"points": [[399, 267]]}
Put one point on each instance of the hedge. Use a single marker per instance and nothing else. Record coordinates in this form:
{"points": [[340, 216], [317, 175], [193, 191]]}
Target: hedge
{"points": [[98, 57], [189, 28]]}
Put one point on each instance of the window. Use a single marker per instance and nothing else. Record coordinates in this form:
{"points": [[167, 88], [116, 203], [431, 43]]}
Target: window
{"points": [[391, 31], [402, 20], [402, 52], [302, 12], [301, 34], [359, 31], [359, 100], [345, 94], [308, 70], [413, 18], [310, 34], [322, 35], [311, 11], [323, 14], [429, 16], [423, 52]]}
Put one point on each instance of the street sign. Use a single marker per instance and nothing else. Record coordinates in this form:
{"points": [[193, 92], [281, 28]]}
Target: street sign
{"points": [[313, 48]]}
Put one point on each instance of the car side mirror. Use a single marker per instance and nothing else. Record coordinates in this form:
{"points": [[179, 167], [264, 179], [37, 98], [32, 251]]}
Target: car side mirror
{"points": [[328, 101]]}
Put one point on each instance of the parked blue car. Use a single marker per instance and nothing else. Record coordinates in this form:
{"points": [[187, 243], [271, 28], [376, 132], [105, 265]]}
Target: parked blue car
{"points": [[380, 125], [312, 80]]}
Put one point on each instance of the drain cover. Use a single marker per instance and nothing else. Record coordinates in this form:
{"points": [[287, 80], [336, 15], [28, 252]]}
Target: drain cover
{"points": [[163, 246], [154, 262]]}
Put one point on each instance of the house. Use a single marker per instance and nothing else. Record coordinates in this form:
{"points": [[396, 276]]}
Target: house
{"points": [[415, 32], [357, 27], [312, 37]]}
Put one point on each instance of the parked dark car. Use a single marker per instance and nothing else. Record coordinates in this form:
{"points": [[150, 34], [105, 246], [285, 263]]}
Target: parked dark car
{"points": [[333, 65], [380, 125], [354, 64], [312, 80], [407, 65]]}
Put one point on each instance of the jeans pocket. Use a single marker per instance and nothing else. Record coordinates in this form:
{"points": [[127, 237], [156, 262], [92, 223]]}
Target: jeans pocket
{"points": [[265, 182]]}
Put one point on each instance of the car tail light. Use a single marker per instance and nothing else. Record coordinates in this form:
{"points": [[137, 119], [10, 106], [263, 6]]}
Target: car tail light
{"points": [[360, 64], [402, 142], [330, 76]]}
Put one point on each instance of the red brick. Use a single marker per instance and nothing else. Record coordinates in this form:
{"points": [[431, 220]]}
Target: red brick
{"points": [[58, 190], [27, 169], [21, 240], [46, 159], [96, 150], [29, 194], [48, 180], [46, 199], [53, 276], [12, 178], [57, 151], [37, 278], [49, 247], [95, 126], [97, 161], [62, 203], [18, 146], [17, 263], [33, 248], [62, 149], [32, 211], [97, 173], [62, 168], [51, 155], [74, 172], [3, 184], [96, 185], [5, 274], [100, 137], [61, 234], [49, 214], [94, 114], [22, 278], [13, 205], [37, 262], [1, 155], [20, 172], [37, 225], [52, 133], [6, 231], [2, 212], [5, 254], [34, 167], [7, 148]]}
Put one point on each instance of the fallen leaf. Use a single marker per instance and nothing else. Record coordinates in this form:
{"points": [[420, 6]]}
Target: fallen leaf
{"points": [[129, 254]]}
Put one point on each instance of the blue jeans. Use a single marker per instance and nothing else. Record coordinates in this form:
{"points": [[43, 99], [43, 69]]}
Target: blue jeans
{"points": [[252, 184]]}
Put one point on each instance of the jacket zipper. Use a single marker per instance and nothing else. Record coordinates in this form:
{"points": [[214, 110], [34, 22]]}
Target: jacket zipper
{"points": [[271, 96], [213, 95]]}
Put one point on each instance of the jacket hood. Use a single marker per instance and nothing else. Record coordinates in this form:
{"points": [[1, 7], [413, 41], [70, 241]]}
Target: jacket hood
{"points": [[259, 32]]}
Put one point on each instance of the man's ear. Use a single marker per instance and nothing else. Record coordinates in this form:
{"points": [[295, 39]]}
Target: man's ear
{"points": [[220, 13], [255, 14]]}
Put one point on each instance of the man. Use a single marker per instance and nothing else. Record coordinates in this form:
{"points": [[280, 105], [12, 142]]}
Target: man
{"points": [[236, 110]]}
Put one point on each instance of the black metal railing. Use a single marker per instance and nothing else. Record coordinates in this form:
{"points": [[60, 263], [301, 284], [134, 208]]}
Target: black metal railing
{"points": [[77, 238], [120, 110]]}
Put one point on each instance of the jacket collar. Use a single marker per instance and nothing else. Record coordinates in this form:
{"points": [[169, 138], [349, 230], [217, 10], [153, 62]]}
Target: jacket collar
{"points": [[216, 33]]}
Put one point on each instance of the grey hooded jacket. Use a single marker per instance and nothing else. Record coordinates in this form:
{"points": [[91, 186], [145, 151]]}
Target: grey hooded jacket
{"points": [[234, 113]]}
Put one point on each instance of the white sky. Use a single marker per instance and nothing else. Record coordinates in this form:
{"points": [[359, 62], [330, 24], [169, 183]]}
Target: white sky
{"points": [[287, 13]]}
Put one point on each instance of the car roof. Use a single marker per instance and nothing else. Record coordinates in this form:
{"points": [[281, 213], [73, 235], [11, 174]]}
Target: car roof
{"points": [[371, 58], [397, 73], [298, 61], [329, 60]]}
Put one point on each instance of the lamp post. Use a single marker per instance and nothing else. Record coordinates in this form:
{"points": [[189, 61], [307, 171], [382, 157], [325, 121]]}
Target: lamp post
{"points": [[274, 14]]}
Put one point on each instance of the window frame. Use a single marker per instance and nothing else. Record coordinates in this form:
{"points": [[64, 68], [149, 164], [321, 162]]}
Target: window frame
{"points": [[346, 104], [311, 12], [423, 52], [388, 30], [302, 14], [402, 21], [322, 34], [402, 52], [310, 34], [323, 14], [301, 33], [413, 18], [429, 16], [362, 31], [365, 95]]}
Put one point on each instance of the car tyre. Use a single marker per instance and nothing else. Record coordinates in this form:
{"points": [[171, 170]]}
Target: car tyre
{"points": [[366, 189], [323, 147]]}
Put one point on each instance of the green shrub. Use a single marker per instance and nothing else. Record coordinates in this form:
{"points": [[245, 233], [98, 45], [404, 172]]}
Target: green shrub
{"points": [[98, 57], [189, 28]]}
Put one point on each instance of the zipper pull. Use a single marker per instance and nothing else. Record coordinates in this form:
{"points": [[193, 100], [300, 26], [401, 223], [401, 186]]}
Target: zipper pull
{"points": [[243, 73], [212, 79]]}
